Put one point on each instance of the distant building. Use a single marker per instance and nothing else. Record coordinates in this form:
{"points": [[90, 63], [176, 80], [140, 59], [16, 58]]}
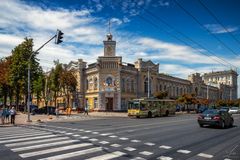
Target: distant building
{"points": [[109, 84]]}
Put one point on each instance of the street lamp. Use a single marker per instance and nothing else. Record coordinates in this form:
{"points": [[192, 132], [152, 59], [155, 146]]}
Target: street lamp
{"points": [[58, 36]]}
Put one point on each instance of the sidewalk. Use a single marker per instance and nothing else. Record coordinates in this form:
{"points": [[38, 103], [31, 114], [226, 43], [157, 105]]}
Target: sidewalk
{"points": [[21, 118]]}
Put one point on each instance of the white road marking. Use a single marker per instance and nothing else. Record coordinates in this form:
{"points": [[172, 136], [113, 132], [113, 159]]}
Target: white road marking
{"points": [[138, 158], [184, 151], [73, 154], [95, 132], [88, 131], [146, 153], [69, 133], [124, 138], [24, 139], [130, 149], [149, 144], [52, 150], [81, 130], [108, 156], [104, 142], [135, 141], [205, 155], [93, 139], [34, 142], [105, 134], [164, 158], [85, 137], [165, 147], [6, 135], [76, 135], [23, 135], [116, 145], [43, 145], [112, 136]]}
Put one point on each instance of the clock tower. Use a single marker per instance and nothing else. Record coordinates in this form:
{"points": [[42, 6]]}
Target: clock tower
{"points": [[109, 46]]}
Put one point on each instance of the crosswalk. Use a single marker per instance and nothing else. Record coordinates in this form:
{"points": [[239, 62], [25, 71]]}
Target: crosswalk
{"points": [[30, 143]]}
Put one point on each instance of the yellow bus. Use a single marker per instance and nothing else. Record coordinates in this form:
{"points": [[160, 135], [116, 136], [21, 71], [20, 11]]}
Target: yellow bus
{"points": [[151, 107]]}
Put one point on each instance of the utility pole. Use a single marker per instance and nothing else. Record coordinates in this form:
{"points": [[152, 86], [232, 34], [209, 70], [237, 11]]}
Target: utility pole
{"points": [[58, 36], [148, 83]]}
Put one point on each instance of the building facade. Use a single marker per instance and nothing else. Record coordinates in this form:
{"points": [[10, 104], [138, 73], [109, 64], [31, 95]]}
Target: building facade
{"points": [[109, 84]]}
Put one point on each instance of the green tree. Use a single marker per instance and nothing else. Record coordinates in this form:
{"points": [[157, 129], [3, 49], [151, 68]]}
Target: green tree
{"points": [[19, 66], [38, 87], [161, 95]]}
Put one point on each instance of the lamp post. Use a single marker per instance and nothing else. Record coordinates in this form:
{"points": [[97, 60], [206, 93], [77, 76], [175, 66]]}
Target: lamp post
{"points": [[148, 83], [58, 36]]}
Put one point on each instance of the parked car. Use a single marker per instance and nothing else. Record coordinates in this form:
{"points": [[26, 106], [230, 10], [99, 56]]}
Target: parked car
{"points": [[224, 109], [46, 110], [234, 110], [201, 109], [33, 109], [214, 117]]}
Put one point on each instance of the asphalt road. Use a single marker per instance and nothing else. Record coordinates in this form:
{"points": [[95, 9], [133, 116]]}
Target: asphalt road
{"points": [[178, 137]]}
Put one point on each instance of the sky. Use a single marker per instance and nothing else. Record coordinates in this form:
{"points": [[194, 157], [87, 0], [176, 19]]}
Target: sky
{"points": [[181, 35]]}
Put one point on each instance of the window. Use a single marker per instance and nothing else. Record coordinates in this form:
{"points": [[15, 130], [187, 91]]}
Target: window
{"points": [[95, 102], [109, 81], [87, 84], [123, 85], [128, 85], [146, 86], [132, 86], [95, 84]]}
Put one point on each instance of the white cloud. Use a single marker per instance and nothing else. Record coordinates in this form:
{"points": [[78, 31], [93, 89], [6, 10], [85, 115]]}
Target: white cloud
{"points": [[218, 29]]}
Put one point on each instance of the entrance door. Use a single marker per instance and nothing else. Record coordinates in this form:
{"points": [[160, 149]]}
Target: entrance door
{"points": [[109, 105]]}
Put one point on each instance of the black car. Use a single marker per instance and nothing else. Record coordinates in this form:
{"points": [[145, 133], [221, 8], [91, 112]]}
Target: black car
{"points": [[214, 117]]}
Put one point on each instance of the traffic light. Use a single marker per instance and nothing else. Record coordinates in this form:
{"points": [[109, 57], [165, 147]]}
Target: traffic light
{"points": [[59, 37]]}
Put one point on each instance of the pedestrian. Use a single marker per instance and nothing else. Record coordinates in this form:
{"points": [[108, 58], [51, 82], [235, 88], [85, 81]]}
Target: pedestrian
{"points": [[69, 111], [57, 112], [86, 110], [13, 114], [1, 116], [6, 114]]}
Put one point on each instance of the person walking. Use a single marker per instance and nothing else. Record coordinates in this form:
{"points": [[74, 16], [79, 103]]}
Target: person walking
{"points": [[1, 116], [6, 115], [86, 110], [12, 114], [57, 112]]}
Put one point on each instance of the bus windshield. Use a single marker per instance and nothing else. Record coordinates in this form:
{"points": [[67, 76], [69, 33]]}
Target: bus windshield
{"points": [[134, 105]]}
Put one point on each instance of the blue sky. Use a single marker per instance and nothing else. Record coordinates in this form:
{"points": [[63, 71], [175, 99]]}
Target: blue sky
{"points": [[138, 33]]}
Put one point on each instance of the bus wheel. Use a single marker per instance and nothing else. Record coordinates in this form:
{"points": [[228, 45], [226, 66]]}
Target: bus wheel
{"points": [[149, 114], [138, 116], [167, 113]]}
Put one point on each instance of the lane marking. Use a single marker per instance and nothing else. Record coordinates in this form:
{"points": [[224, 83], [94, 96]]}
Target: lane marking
{"points": [[113, 136], [24, 139], [146, 153], [130, 149], [84, 137], [106, 134], [138, 158], [108, 156], [24, 135], [116, 145], [34, 142], [149, 144], [135, 141], [93, 139], [104, 142], [95, 132], [165, 147], [73, 154], [164, 158], [76, 135], [124, 138], [88, 131], [205, 155], [69, 133], [37, 153], [43, 145], [183, 151]]}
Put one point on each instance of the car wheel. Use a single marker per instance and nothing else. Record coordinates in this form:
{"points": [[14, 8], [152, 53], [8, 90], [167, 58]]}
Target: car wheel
{"points": [[223, 124], [201, 125], [149, 114], [231, 123]]}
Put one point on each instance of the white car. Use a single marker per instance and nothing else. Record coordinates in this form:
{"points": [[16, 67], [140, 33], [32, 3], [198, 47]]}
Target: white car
{"points": [[234, 110]]}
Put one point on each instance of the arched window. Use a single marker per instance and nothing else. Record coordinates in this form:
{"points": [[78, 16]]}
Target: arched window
{"points": [[128, 85], [109, 81], [146, 86], [95, 84], [123, 85], [132, 86], [87, 84]]}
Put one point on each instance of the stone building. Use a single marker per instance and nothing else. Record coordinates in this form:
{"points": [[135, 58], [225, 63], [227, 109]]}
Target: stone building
{"points": [[108, 84]]}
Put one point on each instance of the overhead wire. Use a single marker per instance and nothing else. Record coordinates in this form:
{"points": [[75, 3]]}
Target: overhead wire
{"points": [[193, 17]]}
